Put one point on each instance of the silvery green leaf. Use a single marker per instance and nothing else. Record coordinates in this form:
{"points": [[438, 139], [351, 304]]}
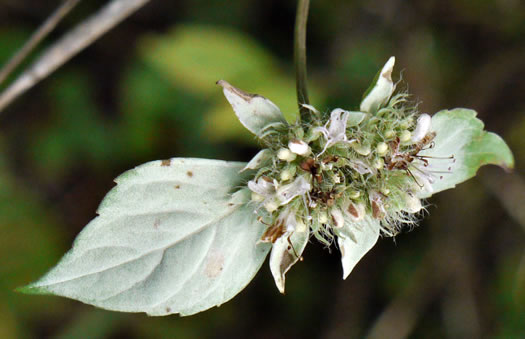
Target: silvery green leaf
{"points": [[381, 90], [254, 111], [355, 240], [460, 134], [355, 118], [286, 252], [258, 160], [169, 238]]}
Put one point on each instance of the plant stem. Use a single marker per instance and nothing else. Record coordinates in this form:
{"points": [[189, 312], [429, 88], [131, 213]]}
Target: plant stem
{"points": [[300, 58], [37, 37], [74, 41]]}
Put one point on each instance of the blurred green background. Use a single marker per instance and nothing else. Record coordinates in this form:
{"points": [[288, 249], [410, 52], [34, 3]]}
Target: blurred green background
{"points": [[146, 91]]}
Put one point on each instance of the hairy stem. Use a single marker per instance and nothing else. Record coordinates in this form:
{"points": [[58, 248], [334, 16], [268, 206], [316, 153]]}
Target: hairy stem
{"points": [[300, 57]]}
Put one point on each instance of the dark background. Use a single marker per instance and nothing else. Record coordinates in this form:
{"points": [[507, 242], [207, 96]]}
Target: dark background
{"points": [[146, 91]]}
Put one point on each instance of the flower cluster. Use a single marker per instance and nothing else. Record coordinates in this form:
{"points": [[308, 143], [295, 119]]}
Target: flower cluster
{"points": [[349, 175]]}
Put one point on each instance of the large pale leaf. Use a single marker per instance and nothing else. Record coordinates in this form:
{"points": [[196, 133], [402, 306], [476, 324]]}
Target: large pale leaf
{"points": [[355, 240], [460, 134], [170, 238]]}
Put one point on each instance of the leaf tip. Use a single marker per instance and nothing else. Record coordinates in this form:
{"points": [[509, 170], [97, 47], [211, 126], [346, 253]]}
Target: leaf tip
{"points": [[32, 289]]}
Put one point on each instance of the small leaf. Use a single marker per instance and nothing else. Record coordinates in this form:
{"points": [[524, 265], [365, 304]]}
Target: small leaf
{"points": [[170, 238], [355, 240], [355, 118], [381, 89], [460, 134], [258, 160], [254, 111], [286, 252]]}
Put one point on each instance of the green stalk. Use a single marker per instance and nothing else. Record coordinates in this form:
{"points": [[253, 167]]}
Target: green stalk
{"points": [[300, 58]]}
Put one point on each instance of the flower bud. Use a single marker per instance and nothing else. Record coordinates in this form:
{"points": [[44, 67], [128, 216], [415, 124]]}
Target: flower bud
{"points": [[323, 217], [412, 203], [405, 136], [299, 147], [354, 194], [390, 134], [271, 205], [362, 149], [382, 148], [378, 163], [257, 197], [286, 174], [285, 155]]}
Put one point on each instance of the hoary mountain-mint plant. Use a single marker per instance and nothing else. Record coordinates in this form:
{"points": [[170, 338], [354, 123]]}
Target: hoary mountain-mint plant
{"points": [[183, 235]]}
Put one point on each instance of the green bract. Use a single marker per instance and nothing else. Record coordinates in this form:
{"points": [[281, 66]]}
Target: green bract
{"points": [[184, 235]]}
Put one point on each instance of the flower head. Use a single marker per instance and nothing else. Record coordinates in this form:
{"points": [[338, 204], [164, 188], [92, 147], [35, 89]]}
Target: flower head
{"points": [[349, 176]]}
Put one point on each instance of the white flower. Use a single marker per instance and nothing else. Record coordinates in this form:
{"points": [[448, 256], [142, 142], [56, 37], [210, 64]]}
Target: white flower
{"points": [[263, 186], [299, 147], [424, 124], [336, 132], [382, 90], [298, 187], [288, 219], [424, 178], [274, 196]]}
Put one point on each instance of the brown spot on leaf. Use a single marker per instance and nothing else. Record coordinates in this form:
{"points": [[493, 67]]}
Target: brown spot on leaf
{"points": [[189, 173], [166, 162], [176, 187], [168, 309], [156, 223], [231, 204], [214, 264]]}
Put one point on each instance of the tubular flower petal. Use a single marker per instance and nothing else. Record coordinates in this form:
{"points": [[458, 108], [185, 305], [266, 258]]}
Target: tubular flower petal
{"points": [[336, 131]]}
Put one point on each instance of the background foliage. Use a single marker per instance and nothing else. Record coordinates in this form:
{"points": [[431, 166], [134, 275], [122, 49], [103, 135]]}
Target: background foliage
{"points": [[146, 91]]}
